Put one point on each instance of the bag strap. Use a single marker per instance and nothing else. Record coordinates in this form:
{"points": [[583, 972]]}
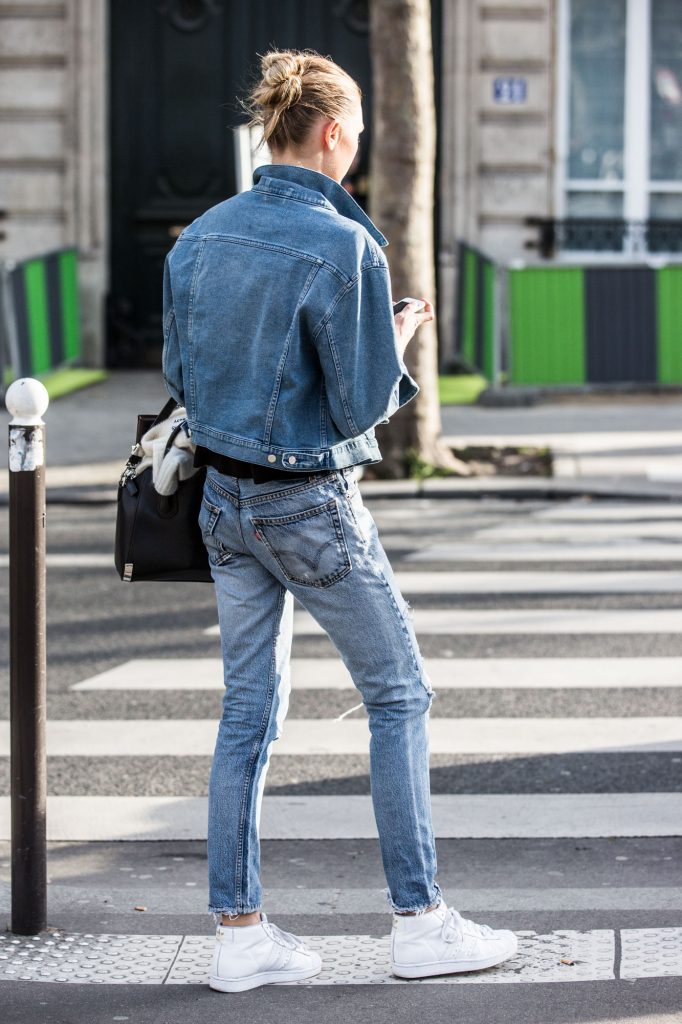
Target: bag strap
{"points": [[165, 412]]}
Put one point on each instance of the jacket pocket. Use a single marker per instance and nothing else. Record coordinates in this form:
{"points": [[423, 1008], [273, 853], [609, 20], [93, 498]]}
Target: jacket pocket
{"points": [[309, 546]]}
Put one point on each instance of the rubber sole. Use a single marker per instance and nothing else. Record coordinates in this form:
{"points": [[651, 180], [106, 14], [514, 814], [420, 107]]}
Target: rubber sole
{"points": [[264, 978], [451, 966]]}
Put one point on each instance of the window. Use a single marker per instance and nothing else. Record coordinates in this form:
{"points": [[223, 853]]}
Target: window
{"points": [[620, 125]]}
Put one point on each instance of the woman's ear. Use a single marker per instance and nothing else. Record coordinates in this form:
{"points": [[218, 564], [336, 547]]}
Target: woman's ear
{"points": [[332, 133]]}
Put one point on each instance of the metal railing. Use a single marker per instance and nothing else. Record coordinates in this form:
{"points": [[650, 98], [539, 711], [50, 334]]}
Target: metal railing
{"points": [[636, 238]]}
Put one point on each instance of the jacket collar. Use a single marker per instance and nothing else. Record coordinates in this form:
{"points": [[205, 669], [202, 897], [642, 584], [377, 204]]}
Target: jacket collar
{"points": [[314, 187]]}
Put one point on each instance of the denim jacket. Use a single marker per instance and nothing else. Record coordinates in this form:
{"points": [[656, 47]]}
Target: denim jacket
{"points": [[278, 329]]}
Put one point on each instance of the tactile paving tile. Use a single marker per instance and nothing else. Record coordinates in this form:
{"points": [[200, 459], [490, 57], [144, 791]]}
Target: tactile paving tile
{"points": [[193, 963], [347, 959], [364, 960], [88, 959], [361, 960], [651, 952]]}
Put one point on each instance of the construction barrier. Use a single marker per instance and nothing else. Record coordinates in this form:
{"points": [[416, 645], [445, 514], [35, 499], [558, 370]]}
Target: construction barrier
{"points": [[476, 310], [570, 325], [42, 312]]}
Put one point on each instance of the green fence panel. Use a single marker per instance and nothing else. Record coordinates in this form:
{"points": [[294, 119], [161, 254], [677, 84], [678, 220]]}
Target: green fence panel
{"points": [[68, 274], [35, 285], [42, 313], [546, 326], [468, 340], [475, 321], [488, 357], [669, 324]]}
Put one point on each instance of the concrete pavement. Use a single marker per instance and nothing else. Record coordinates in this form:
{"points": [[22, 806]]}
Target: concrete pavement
{"points": [[625, 441]]}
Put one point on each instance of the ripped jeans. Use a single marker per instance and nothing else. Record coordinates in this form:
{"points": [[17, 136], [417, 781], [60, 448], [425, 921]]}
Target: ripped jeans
{"points": [[313, 539]]}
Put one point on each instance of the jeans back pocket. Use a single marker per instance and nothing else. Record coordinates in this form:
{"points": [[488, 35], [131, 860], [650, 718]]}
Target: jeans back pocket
{"points": [[309, 546]]}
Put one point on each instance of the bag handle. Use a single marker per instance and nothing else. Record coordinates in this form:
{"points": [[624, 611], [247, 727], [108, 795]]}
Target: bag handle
{"points": [[166, 411], [134, 458]]}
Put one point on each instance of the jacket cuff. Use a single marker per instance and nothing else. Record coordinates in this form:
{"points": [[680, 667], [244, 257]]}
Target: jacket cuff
{"points": [[404, 391]]}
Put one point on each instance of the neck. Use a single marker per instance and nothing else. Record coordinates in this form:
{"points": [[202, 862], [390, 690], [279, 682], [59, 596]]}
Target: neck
{"points": [[313, 161]]}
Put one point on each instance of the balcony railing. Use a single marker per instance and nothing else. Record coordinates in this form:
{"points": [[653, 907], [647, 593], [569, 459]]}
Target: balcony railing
{"points": [[632, 238]]}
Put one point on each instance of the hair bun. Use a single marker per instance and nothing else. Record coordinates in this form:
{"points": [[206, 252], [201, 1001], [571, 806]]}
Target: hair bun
{"points": [[295, 89], [282, 76]]}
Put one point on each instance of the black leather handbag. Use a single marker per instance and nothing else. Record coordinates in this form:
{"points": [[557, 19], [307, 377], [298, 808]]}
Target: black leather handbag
{"points": [[158, 536]]}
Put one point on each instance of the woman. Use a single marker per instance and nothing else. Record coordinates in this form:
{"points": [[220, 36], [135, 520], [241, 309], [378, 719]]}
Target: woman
{"points": [[280, 340]]}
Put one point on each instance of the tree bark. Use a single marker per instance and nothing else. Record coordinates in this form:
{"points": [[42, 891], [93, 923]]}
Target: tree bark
{"points": [[402, 171]]}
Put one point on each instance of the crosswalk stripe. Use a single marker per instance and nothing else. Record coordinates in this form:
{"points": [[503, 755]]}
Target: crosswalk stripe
{"points": [[522, 582], [445, 673], [529, 552], [572, 533], [458, 583], [301, 736], [534, 621], [71, 560], [455, 816]]}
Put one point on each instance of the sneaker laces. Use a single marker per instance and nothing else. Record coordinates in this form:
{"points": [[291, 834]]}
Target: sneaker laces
{"points": [[454, 924], [285, 938]]}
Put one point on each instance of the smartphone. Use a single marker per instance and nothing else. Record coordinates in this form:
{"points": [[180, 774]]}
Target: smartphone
{"points": [[399, 306]]}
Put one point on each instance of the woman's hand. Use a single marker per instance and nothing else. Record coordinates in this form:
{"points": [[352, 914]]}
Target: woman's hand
{"points": [[410, 318]]}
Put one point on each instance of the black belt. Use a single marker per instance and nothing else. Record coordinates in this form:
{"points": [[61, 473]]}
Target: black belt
{"points": [[237, 467]]}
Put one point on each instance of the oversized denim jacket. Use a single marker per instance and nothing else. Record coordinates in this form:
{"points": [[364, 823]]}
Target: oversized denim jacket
{"points": [[279, 337]]}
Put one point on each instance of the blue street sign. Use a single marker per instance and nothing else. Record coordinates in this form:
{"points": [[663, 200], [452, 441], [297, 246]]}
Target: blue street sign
{"points": [[510, 90]]}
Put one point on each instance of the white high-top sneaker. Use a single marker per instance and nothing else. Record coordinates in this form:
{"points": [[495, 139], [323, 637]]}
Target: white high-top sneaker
{"points": [[443, 942], [246, 956]]}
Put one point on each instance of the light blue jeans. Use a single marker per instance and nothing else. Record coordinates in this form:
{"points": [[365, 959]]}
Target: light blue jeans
{"points": [[313, 539]]}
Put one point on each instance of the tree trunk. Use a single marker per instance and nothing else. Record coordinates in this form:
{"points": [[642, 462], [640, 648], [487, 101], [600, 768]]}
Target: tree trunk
{"points": [[402, 171]]}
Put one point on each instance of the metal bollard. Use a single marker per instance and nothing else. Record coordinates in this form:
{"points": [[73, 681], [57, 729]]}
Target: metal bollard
{"points": [[27, 399]]}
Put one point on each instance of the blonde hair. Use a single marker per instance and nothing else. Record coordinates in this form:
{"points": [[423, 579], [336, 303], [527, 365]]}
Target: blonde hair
{"points": [[296, 86]]}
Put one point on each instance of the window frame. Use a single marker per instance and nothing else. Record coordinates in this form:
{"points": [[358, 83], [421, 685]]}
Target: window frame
{"points": [[636, 186]]}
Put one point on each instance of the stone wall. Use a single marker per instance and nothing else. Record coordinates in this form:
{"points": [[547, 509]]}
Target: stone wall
{"points": [[53, 142], [497, 158]]}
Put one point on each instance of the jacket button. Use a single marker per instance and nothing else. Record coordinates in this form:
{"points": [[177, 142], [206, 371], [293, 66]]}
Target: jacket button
{"points": [[292, 458], [272, 458]]}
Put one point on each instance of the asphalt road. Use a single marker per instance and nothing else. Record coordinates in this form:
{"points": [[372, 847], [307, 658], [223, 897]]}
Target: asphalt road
{"points": [[616, 884]]}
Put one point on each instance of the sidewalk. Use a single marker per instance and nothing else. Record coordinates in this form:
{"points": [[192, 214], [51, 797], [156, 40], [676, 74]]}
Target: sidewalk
{"points": [[621, 445]]}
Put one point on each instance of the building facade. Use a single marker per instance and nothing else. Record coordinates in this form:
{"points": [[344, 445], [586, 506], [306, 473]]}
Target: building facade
{"points": [[560, 125]]}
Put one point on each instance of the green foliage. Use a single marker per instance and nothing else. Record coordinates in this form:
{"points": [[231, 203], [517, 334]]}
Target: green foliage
{"points": [[418, 469], [460, 389]]}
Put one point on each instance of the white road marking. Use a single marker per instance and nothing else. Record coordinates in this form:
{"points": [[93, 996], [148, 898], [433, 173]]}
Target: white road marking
{"points": [[71, 560], [453, 621], [579, 533], [457, 583], [81, 475], [315, 736], [468, 816], [520, 582], [637, 551], [445, 673]]}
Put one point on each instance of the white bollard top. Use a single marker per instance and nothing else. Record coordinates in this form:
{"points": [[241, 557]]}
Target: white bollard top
{"points": [[26, 400]]}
